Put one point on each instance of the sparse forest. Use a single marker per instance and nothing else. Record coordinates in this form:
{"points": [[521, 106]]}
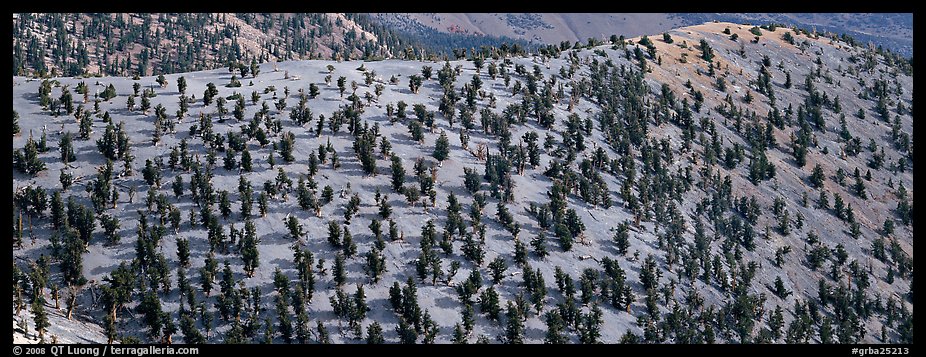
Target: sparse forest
{"points": [[689, 187]]}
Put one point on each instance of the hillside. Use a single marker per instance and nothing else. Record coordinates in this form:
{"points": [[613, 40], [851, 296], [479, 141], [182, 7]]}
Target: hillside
{"points": [[77, 330], [893, 31], [539, 28], [149, 44], [641, 191], [126, 44]]}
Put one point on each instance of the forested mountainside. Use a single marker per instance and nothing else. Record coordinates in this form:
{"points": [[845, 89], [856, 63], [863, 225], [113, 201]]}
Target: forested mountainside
{"points": [[126, 44], [718, 183], [129, 44]]}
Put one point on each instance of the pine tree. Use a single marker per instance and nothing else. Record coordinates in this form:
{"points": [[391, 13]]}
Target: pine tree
{"points": [[334, 234], [489, 304], [776, 322], [412, 194], [145, 104], [471, 180], [590, 326], [859, 186], [15, 123], [40, 317], [414, 82], [817, 177], [375, 334], [350, 248], [27, 160], [459, 336], [826, 330], [72, 258], [229, 163], [375, 264], [365, 148], [152, 173], [287, 145], [342, 81], [66, 148], [238, 111], [322, 333], [442, 147], [539, 245], [210, 92], [622, 238], [498, 267], [150, 307], [555, 329], [340, 276], [117, 292], [181, 85], [707, 53], [110, 227], [295, 229], [255, 69], [416, 131], [780, 289], [385, 210], [249, 252], [246, 163], [514, 329]]}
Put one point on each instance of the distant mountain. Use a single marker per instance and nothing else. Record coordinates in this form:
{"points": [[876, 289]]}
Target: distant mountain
{"points": [[893, 31]]}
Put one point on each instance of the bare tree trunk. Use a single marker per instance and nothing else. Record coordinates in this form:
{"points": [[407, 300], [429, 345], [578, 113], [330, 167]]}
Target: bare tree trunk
{"points": [[72, 302], [71, 306], [19, 300], [733, 280]]}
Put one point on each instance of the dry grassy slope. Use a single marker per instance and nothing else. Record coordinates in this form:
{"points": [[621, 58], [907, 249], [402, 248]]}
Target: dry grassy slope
{"points": [[545, 27], [893, 30]]}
